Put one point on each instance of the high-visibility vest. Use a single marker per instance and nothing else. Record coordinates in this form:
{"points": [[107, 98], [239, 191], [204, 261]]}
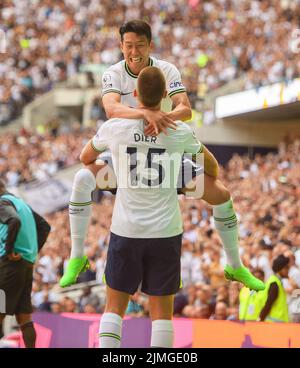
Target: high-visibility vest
{"points": [[251, 303], [279, 311]]}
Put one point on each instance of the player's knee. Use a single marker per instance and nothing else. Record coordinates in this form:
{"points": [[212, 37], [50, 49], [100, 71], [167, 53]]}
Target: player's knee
{"points": [[84, 180]]}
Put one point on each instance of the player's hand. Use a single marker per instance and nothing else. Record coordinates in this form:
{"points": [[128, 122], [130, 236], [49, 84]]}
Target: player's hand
{"points": [[158, 122], [14, 257]]}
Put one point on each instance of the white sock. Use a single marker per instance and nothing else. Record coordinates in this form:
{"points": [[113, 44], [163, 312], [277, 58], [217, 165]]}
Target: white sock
{"points": [[80, 208], [162, 335], [226, 224], [110, 331]]}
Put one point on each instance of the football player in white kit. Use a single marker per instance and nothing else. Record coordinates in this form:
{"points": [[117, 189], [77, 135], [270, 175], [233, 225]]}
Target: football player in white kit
{"points": [[119, 101], [146, 229]]}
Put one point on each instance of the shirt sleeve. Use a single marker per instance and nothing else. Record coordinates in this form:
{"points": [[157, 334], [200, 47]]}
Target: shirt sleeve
{"points": [[100, 140], [173, 81], [111, 82], [191, 143]]}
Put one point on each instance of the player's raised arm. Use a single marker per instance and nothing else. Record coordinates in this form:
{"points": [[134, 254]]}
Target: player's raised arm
{"points": [[111, 98], [177, 93], [182, 107], [158, 121], [115, 109]]}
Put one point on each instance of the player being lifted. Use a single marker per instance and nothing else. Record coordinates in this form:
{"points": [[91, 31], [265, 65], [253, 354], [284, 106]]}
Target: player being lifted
{"points": [[119, 100]]}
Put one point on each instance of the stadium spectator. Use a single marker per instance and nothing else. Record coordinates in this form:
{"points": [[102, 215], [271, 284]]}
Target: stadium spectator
{"points": [[42, 295], [89, 308], [203, 312], [221, 311], [222, 294], [23, 233], [214, 271], [275, 308], [180, 301], [69, 305], [233, 314], [56, 307], [91, 299], [294, 272]]}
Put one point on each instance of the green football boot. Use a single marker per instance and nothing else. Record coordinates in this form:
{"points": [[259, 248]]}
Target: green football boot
{"points": [[243, 275], [74, 268]]}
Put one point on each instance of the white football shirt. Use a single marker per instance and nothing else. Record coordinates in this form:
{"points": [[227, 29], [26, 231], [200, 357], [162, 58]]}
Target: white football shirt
{"points": [[147, 169], [119, 79]]}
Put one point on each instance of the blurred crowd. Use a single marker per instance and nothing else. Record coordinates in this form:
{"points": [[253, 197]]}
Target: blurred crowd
{"points": [[266, 194], [211, 42], [25, 157]]}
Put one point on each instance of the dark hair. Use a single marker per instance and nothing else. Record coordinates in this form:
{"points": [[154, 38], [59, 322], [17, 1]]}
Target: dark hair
{"points": [[151, 86], [138, 26], [280, 262]]}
